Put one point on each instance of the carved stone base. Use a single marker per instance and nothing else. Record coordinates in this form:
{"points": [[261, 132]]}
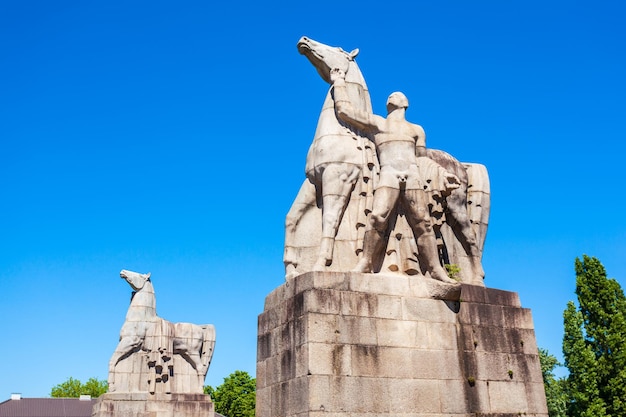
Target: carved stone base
{"points": [[353, 344], [143, 404]]}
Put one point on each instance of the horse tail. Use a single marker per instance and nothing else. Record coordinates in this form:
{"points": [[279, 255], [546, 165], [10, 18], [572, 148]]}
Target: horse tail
{"points": [[449, 163], [208, 346], [478, 201]]}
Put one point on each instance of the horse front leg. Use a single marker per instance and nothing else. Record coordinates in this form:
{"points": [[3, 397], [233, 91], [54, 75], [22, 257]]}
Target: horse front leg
{"points": [[338, 181], [127, 346], [305, 200]]}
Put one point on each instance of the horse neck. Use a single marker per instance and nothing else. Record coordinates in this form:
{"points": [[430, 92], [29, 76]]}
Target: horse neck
{"points": [[356, 88], [143, 302]]}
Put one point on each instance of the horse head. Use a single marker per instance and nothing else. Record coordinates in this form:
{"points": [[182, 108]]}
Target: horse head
{"points": [[324, 57], [135, 279]]}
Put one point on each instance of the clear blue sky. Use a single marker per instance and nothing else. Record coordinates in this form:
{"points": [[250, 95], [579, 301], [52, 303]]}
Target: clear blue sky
{"points": [[171, 137]]}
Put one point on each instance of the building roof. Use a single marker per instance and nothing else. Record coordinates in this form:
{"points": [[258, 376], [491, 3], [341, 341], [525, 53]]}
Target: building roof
{"points": [[47, 407]]}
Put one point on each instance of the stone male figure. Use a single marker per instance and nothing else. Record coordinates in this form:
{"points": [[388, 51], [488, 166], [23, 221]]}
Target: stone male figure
{"points": [[404, 168]]}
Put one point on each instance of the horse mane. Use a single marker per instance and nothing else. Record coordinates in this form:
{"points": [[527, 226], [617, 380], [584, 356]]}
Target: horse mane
{"points": [[354, 77]]}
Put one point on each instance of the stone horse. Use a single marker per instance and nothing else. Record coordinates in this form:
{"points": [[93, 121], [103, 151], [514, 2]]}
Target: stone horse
{"points": [[339, 161], [341, 170], [159, 339]]}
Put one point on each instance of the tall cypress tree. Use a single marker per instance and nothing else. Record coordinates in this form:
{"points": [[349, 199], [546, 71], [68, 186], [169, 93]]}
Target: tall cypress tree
{"points": [[594, 344]]}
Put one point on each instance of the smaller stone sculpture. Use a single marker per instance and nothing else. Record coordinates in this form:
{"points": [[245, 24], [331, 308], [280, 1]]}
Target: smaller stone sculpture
{"points": [[155, 355], [405, 172]]}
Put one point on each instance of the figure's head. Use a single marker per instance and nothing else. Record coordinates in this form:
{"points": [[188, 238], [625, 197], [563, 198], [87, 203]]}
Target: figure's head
{"points": [[397, 100]]}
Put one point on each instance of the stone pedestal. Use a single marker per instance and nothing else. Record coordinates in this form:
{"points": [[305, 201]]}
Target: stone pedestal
{"points": [[143, 404], [349, 344]]}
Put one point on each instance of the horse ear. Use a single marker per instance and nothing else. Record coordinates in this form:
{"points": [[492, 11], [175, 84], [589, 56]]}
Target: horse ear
{"points": [[148, 275], [354, 53]]}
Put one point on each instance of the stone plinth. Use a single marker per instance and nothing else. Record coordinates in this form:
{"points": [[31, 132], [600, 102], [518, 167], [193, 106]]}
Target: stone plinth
{"points": [[143, 404], [339, 344]]}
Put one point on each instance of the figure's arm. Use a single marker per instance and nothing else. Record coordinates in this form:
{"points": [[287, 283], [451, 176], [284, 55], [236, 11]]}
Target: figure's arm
{"points": [[420, 141], [344, 108]]}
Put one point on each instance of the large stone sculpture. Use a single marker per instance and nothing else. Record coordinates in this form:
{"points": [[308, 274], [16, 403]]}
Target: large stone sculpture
{"points": [[155, 355], [325, 227], [359, 328]]}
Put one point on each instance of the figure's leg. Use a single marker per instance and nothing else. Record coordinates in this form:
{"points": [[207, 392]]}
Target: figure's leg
{"points": [[461, 226], [385, 199], [338, 181], [419, 220], [305, 200]]}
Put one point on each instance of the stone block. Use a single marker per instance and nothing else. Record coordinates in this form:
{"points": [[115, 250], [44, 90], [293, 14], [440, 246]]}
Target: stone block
{"points": [[348, 353], [298, 390], [420, 309], [272, 373], [321, 280], [404, 394], [379, 284], [520, 318], [264, 346], [369, 360], [436, 365], [261, 366], [279, 399], [418, 287], [481, 314], [473, 294], [358, 330], [359, 395], [284, 292], [324, 301], [329, 359], [396, 333], [158, 405], [536, 398], [323, 328], [320, 395], [422, 335], [507, 397], [358, 304], [452, 396], [492, 339], [370, 305], [441, 336], [495, 366], [263, 400], [502, 298], [264, 322], [302, 362], [527, 341], [287, 365]]}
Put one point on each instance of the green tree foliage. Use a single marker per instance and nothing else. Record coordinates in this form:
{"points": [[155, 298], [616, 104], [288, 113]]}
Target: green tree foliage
{"points": [[594, 344], [555, 388], [236, 397], [73, 388]]}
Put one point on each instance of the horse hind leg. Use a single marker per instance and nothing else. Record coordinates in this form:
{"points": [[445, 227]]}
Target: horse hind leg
{"points": [[462, 229], [338, 181]]}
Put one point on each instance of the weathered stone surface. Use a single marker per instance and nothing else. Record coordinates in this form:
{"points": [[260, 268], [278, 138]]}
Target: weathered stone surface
{"points": [[375, 199], [343, 349], [158, 405], [155, 355]]}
